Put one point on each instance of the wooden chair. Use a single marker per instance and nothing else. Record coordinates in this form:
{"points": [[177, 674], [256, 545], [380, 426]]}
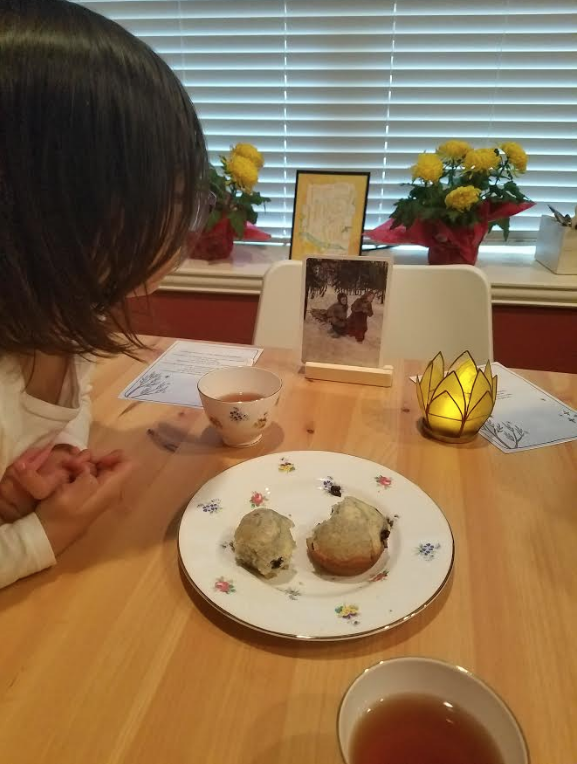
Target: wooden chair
{"points": [[432, 308]]}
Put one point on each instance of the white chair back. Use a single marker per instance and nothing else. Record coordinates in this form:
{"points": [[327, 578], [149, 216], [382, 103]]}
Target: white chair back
{"points": [[444, 307], [278, 321]]}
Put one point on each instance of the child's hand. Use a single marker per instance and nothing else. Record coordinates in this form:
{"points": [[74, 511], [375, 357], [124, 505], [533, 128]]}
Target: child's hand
{"points": [[73, 507], [35, 475]]}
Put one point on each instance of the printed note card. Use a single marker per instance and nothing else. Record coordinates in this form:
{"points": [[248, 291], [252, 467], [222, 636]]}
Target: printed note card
{"points": [[525, 416], [173, 378]]}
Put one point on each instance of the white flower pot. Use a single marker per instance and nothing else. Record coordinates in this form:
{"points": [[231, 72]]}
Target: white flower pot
{"points": [[557, 246]]}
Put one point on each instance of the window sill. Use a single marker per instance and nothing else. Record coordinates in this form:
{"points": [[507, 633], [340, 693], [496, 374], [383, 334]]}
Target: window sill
{"points": [[515, 277]]}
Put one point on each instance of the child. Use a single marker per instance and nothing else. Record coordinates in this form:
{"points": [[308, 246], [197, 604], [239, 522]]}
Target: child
{"points": [[337, 314], [361, 310], [102, 173]]}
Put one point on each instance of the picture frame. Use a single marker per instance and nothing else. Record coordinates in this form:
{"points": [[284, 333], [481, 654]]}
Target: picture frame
{"points": [[345, 305], [329, 213]]}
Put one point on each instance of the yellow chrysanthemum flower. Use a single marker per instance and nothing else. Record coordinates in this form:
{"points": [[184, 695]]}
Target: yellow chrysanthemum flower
{"points": [[516, 155], [481, 160], [242, 171], [454, 149], [250, 152], [462, 198], [428, 167]]}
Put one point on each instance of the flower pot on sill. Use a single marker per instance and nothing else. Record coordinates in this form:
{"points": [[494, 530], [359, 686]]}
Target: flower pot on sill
{"points": [[215, 244], [447, 253], [556, 247]]}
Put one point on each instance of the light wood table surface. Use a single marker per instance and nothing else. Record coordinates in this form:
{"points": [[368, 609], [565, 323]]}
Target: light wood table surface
{"points": [[109, 658]]}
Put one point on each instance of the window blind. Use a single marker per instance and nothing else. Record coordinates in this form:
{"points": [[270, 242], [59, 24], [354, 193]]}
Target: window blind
{"points": [[370, 84]]}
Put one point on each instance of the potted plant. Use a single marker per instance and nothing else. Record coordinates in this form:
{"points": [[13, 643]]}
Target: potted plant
{"points": [[457, 195], [233, 215]]}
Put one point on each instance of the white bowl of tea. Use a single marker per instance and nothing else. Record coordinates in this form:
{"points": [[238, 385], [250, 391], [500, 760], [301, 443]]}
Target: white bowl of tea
{"points": [[239, 402], [426, 711]]}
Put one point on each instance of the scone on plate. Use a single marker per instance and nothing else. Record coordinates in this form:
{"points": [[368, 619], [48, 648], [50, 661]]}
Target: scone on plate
{"points": [[263, 541], [351, 540]]}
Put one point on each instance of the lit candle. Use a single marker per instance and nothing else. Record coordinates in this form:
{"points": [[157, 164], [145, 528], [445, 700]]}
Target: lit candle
{"points": [[457, 402]]}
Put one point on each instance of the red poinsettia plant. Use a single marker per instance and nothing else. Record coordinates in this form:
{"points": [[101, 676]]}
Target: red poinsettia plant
{"points": [[458, 194]]}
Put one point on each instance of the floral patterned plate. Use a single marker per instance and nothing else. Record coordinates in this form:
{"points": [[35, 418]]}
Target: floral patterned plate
{"points": [[301, 602]]}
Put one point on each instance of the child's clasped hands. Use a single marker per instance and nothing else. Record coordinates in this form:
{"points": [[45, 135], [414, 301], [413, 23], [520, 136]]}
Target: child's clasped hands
{"points": [[66, 487]]}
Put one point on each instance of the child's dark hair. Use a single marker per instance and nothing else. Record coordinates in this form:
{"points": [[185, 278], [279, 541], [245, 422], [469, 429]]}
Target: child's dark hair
{"points": [[102, 171]]}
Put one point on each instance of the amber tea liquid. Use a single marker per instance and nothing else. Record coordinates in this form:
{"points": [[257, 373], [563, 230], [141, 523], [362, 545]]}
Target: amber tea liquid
{"points": [[421, 729], [240, 397]]}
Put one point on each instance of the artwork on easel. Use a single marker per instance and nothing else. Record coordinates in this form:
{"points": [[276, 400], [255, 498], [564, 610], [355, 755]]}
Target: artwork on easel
{"points": [[345, 307], [329, 213]]}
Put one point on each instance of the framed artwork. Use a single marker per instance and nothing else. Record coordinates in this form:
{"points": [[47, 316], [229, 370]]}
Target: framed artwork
{"points": [[329, 213], [345, 308]]}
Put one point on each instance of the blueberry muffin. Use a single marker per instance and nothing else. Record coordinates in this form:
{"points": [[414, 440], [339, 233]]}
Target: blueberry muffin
{"points": [[263, 542], [351, 540]]}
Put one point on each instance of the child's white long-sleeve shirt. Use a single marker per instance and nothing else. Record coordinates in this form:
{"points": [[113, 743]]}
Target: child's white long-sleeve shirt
{"points": [[26, 422]]}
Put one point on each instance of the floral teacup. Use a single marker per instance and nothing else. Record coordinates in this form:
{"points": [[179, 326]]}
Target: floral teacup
{"points": [[426, 676], [239, 402]]}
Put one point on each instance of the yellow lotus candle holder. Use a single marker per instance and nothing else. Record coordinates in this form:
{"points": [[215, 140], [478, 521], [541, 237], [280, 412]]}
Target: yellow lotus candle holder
{"points": [[455, 403]]}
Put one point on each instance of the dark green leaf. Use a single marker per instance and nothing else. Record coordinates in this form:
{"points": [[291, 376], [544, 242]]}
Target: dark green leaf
{"points": [[504, 224], [237, 220], [212, 220], [256, 198]]}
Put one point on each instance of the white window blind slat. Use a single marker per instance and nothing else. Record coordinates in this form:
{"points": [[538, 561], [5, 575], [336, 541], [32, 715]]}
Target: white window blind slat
{"points": [[353, 62], [368, 85]]}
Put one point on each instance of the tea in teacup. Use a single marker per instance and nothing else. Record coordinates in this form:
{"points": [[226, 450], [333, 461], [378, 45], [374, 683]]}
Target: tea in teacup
{"points": [[424, 729], [240, 397]]}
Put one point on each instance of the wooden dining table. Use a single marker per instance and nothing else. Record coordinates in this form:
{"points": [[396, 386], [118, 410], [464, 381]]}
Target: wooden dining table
{"points": [[111, 658]]}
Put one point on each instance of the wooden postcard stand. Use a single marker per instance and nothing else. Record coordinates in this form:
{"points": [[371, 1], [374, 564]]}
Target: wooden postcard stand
{"points": [[358, 375]]}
